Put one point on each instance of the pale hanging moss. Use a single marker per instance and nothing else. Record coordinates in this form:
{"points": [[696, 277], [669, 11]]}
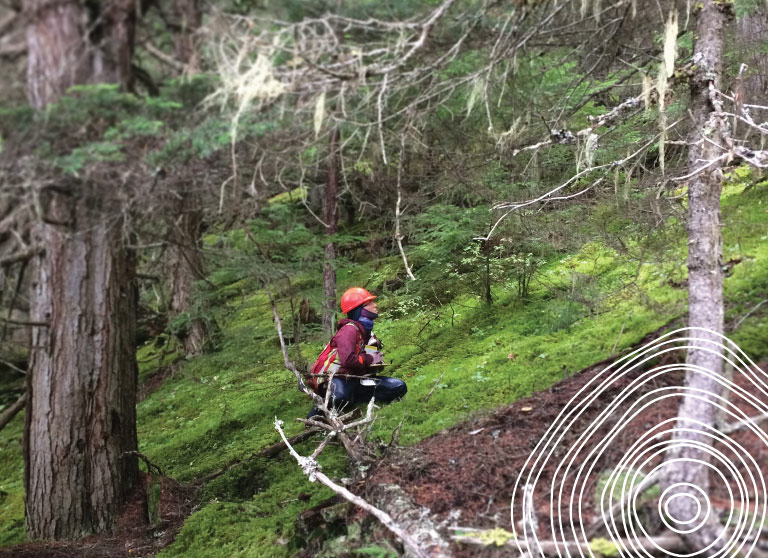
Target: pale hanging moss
{"points": [[647, 88], [477, 92], [661, 88], [319, 113], [670, 43]]}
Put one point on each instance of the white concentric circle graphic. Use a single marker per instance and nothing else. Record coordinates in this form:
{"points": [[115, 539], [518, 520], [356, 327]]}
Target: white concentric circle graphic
{"points": [[610, 464]]}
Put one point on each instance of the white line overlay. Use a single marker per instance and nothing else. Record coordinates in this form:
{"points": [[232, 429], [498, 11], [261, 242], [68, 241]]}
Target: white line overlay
{"points": [[577, 447]]}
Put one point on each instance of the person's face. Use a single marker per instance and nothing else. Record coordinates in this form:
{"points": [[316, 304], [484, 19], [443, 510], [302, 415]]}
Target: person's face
{"points": [[371, 307]]}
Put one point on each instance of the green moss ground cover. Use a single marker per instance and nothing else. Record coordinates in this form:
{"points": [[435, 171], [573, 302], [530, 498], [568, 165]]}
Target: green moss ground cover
{"points": [[220, 407]]}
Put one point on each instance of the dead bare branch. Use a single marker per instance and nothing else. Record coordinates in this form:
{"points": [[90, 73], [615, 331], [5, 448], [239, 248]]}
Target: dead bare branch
{"points": [[312, 469]]}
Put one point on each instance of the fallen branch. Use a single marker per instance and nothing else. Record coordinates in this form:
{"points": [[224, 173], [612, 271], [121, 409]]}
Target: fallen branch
{"points": [[738, 425], [150, 465], [13, 410], [311, 468], [268, 452], [623, 503], [670, 543]]}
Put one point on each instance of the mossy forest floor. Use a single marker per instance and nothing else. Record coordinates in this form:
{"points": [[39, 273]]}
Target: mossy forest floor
{"points": [[461, 361]]}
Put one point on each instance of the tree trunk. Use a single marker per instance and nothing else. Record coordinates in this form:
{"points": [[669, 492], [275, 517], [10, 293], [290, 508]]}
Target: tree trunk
{"points": [[686, 462], [66, 46], [81, 417], [57, 55], [113, 32], [751, 36], [331, 201], [81, 387], [188, 14], [185, 268]]}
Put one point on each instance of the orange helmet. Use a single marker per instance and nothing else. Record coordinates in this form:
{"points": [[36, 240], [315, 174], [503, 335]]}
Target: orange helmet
{"points": [[354, 297]]}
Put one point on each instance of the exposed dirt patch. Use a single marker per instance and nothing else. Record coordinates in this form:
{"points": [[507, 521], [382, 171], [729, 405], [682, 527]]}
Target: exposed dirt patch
{"points": [[473, 467], [133, 535]]}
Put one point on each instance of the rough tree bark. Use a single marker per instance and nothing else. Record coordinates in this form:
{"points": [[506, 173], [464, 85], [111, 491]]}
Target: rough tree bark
{"points": [[66, 46], [705, 283], [80, 423], [188, 14], [185, 267], [751, 36], [57, 54], [331, 202], [81, 415]]}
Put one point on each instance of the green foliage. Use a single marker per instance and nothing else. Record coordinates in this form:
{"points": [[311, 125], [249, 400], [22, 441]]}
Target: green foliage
{"points": [[604, 547], [12, 483], [376, 551]]}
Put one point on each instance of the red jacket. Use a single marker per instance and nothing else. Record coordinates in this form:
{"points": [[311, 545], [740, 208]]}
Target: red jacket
{"points": [[350, 342]]}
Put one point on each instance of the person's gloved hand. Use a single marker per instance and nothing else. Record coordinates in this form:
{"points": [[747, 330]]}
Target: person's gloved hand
{"points": [[377, 358]]}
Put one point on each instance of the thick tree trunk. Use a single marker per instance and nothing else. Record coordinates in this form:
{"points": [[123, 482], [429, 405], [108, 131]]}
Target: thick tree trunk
{"points": [[57, 55], [331, 202], [687, 461], [81, 387], [81, 417], [66, 46], [185, 266]]}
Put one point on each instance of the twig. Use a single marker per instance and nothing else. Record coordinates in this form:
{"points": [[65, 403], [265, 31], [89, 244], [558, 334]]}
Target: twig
{"points": [[146, 460], [13, 410], [286, 360], [748, 314], [434, 387], [398, 236], [163, 57], [738, 425], [269, 451], [311, 468]]}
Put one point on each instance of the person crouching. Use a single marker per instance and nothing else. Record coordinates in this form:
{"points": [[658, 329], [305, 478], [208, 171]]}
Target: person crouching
{"points": [[354, 357]]}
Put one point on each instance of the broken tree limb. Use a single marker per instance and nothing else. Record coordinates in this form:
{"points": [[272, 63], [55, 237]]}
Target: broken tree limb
{"points": [[733, 427], [414, 519], [601, 522], [13, 410], [671, 543], [311, 468], [269, 451]]}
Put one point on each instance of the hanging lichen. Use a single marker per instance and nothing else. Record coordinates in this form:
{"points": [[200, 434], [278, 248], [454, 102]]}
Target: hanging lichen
{"points": [[670, 43], [647, 88]]}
